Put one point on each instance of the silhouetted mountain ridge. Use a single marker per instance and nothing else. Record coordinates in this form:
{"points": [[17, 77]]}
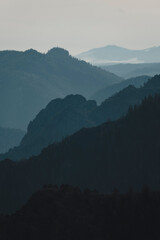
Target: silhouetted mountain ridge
{"points": [[63, 117], [58, 52], [118, 104], [120, 154], [33, 79], [115, 54], [133, 70], [108, 91]]}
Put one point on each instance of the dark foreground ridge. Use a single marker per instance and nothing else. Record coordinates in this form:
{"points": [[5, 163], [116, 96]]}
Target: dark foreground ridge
{"points": [[117, 154], [68, 214]]}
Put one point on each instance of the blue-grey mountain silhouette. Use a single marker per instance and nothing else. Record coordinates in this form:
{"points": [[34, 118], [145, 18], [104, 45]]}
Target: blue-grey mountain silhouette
{"points": [[133, 70], [115, 54], [108, 91], [63, 117], [29, 80]]}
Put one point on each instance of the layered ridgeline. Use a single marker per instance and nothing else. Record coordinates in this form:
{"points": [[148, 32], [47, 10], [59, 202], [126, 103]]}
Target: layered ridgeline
{"points": [[117, 105], [29, 80], [62, 117], [133, 70], [115, 54], [68, 213], [108, 91], [120, 154], [10, 138]]}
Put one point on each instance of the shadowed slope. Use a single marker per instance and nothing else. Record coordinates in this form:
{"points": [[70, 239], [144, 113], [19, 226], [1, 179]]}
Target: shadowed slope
{"points": [[118, 154], [68, 213], [63, 117]]}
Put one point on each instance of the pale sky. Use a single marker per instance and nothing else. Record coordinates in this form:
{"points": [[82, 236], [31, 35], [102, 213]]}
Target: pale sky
{"points": [[78, 25]]}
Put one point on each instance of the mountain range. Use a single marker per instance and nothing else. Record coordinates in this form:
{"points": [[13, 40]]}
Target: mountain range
{"points": [[63, 117], [112, 54], [30, 80], [133, 70], [88, 158], [108, 91]]}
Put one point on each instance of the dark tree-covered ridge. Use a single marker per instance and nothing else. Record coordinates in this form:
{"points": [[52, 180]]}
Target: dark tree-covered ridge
{"points": [[67, 213], [119, 154]]}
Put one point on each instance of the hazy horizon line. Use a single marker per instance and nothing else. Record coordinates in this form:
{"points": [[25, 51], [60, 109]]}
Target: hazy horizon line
{"points": [[78, 52]]}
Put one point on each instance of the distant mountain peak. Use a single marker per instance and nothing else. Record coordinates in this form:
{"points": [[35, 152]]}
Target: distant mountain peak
{"points": [[75, 96], [77, 99], [56, 51], [113, 46], [32, 51], [112, 54]]}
